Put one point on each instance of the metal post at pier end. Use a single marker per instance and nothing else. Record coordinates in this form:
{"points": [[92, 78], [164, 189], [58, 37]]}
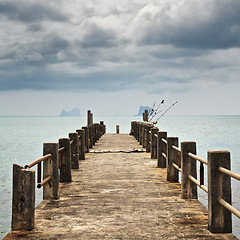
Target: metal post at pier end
{"points": [[161, 148], [74, 150], [117, 129], [23, 198], [219, 187], [172, 157], [65, 170], [86, 138], [154, 142], [50, 168], [81, 134], [188, 167]]}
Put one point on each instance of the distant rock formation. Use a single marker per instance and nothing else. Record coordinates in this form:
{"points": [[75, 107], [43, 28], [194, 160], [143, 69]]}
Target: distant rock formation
{"points": [[142, 109], [72, 113]]}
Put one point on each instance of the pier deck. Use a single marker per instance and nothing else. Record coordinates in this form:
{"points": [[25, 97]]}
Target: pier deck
{"points": [[119, 196]]}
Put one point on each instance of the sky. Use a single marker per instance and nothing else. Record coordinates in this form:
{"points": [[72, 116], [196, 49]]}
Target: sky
{"points": [[113, 56]]}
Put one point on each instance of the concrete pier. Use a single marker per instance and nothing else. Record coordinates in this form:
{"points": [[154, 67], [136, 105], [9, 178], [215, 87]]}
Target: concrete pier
{"points": [[119, 195]]}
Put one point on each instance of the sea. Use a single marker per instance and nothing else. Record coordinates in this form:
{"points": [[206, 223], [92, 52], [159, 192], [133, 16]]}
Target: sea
{"points": [[22, 138]]}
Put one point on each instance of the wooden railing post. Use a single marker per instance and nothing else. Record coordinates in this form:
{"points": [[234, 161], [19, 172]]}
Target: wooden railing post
{"points": [[23, 198], [117, 129], [154, 143], [50, 168], [81, 134], [219, 186], [188, 167], [93, 134], [74, 150], [144, 135], [65, 170], [89, 121], [161, 148], [148, 129], [172, 157], [102, 127], [140, 139], [86, 131], [90, 134]]}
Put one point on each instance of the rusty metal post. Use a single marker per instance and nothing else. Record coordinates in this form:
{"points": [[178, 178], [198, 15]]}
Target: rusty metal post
{"points": [[154, 142], [172, 157], [219, 187], [74, 150], [188, 166], [161, 148], [65, 170], [23, 198]]}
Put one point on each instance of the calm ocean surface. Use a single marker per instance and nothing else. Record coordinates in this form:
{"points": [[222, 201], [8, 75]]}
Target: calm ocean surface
{"points": [[22, 138]]}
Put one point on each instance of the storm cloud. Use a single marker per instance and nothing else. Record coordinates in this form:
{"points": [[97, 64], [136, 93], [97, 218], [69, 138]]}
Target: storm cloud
{"points": [[155, 46]]}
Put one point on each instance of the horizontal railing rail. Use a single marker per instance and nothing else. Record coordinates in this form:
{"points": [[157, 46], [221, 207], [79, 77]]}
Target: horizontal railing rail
{"points": [[64, 155], [182, 160]]}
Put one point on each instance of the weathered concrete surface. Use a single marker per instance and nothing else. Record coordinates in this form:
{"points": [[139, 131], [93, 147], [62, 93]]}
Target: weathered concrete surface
{"points": [[120, 196]]}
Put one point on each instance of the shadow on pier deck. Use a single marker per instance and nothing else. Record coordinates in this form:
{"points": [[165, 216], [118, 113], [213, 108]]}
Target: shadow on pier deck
{"points": [[119, 196]]}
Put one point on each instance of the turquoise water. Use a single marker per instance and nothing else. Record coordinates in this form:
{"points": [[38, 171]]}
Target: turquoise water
{"points": [[21, 140]]}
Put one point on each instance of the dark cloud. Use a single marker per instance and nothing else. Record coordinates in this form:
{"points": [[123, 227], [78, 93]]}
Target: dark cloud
{"points": [[154, 46], [97, 37], [197, 25], [30, 12]]}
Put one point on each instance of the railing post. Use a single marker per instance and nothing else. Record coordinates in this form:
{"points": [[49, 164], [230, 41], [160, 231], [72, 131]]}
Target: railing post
{"points": [[102, 127], [23, 198], [65, 170], [154, 143], [219, 186], [144, 133], [90, 134], [81, 134], [188, 167], [86, 138], [161, 148], [140, 127], [117, 129], [50, 168], [172, 157], [89, 121], [74, 149], [93, 134], [149, 127]]}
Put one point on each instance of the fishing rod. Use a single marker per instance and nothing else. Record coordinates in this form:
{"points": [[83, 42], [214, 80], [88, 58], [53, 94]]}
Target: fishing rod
{"points": [[151, 110], [156, 111], [156, 121]]}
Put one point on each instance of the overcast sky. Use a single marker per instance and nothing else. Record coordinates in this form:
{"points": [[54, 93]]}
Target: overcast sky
{"points": [[113, 56]]}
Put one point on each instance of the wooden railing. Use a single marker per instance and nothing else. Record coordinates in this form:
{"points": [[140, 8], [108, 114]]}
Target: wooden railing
{"points": [[57, 161], [183, 160]]}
